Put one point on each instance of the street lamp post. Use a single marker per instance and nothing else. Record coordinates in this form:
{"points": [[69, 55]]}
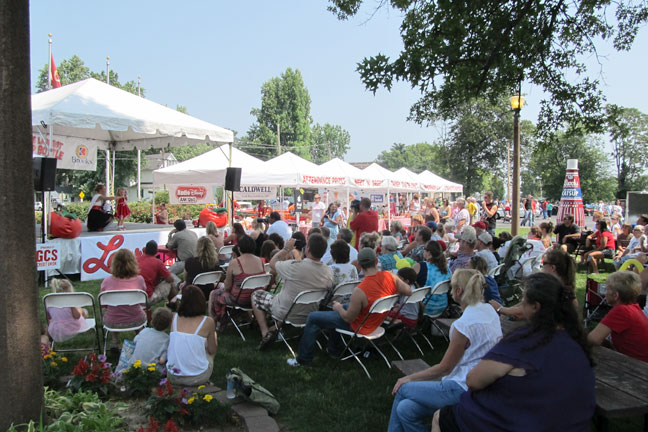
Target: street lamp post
{"points": [[517, 102]]}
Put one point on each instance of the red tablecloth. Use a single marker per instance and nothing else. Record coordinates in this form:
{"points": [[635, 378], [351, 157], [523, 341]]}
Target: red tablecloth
{"points": [[406, 221]]}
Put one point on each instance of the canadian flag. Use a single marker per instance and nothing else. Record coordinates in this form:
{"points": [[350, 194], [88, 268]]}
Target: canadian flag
{"points": [[55, 79]]}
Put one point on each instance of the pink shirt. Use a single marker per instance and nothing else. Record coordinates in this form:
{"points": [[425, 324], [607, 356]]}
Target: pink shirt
{"points": [[123, 314]]}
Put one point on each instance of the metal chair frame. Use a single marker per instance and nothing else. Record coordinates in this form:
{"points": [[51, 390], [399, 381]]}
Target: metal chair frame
{"points": [[250, 283], [134, 297], [83, 299]]}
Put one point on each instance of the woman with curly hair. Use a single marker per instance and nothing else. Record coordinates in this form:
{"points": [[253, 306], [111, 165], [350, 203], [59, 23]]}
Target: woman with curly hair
{"points": [[533, 373]]}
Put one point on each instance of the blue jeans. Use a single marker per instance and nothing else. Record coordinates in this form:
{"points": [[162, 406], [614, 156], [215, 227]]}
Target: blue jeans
{"points": [[316, 322], [418, 400], [528, 217]]}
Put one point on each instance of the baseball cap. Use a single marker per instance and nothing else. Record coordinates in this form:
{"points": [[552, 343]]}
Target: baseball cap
{"points": [[468, 235], [485, 238], [432, 225], [480, 224], [366, 256]]}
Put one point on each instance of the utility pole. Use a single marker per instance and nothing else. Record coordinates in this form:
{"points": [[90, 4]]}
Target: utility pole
{"points": [[328, 143], [508, 172], [278, 139]]}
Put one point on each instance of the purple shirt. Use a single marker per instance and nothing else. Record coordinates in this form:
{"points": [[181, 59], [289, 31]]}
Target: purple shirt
{"points": [[558, 375]]}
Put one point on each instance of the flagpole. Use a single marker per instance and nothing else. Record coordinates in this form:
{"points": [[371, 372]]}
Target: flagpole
{"points": [[49, 63]]}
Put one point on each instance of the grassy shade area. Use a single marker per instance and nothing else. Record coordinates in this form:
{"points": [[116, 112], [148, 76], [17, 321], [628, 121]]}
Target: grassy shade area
{"points": [[329, 395]]}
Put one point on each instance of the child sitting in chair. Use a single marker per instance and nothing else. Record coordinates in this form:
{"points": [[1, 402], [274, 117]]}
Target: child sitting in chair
{"points": [[625, 323], [65, 322]]}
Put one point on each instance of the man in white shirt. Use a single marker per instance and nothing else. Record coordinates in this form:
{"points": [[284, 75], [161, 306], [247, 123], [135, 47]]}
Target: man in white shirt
{"points": [[278, 226], [317, 210], [347, 235], [484, 241]]}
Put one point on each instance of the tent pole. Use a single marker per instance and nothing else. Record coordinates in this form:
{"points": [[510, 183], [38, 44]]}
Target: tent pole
{"points": [[139, 175], [230, 197], [112, 180], [108, 169], [153, 204], [389, 208]]}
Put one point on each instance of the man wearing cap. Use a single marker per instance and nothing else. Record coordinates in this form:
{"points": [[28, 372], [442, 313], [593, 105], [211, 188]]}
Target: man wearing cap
{"points": [[317, 210], [183, 242], [365, 221], [375, 285], [484, 241], [433, 227], [467, 241], [160, 283], [480, 227]]}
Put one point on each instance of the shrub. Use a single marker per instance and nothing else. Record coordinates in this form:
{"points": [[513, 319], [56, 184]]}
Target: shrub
{"points": [[80, 209], [196, 408], [140, 380], [92, 373], [140, 212], [54, 366]]}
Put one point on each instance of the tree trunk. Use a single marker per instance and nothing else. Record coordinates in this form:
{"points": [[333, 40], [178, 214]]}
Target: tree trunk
{"points": [[21, 381]]}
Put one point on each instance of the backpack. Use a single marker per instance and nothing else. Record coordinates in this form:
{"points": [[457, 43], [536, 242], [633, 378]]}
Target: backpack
{"points": [[252, 391]]}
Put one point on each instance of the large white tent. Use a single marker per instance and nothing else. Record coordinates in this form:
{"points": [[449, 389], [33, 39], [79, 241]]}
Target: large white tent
{"points": [[355, 177], [209, 167], [392, 181], [119, 120], [290, 170], [431, 182], [408, 178]]}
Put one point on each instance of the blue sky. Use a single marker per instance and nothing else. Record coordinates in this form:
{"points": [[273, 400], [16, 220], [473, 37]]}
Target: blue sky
{"points": [[213, 57]]}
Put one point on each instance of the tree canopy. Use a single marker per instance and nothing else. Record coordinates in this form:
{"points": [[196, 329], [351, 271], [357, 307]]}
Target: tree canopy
{"points": [[455, 51], [328, 141], [285, 102], [628, 129]]}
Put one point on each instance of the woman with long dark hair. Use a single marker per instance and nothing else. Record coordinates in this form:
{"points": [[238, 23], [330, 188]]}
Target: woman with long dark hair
{"points": [[430, 272], [533, 373]]}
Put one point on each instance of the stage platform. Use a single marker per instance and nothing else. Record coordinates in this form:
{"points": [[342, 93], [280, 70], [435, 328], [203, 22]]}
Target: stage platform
{"points": [[89, 254]]}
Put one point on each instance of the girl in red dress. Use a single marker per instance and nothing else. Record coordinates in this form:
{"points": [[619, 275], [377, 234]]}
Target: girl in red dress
{"points": [[122, 207]]}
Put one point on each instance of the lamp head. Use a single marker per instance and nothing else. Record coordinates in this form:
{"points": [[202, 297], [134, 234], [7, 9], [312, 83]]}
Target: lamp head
{"points": [[517, 102]]}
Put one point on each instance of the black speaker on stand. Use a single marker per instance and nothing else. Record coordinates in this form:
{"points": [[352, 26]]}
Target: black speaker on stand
{"points": [[44, 174], [232, 184]]}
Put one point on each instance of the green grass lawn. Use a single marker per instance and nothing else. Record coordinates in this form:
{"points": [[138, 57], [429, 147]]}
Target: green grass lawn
{"points": [[329, 396]]}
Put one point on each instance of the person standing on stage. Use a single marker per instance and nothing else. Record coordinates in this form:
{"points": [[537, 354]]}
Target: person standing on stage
{"points": [[98, 218], [365, 221], [317, 210]]}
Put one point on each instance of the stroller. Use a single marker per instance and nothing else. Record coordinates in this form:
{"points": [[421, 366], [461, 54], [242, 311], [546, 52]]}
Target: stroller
{"points": [[508, 279], [595, 306]]}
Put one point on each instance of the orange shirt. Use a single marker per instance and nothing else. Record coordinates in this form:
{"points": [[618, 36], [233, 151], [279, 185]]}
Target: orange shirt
{"points": [[382, 284]]}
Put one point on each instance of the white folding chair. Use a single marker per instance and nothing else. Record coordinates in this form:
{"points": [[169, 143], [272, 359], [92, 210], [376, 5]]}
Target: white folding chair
{"points": [[227, 251], [380, 306], [418, 295], [251, 283], [343, 290], [266, 267], [212, 277], [440, 288], [78, 300], [495, 271], [121, 298], [304, 298]]}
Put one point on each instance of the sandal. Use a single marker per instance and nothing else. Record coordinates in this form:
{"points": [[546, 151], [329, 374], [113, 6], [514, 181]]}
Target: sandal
{"points": [[267, 340]]}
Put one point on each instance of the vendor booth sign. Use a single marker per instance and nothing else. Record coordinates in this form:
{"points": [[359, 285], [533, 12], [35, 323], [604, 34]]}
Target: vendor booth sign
{"points": [[251, 193], [191, 194], [70, 152], [47, 257]]}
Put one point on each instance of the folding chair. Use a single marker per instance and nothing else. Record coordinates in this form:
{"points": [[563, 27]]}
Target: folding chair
{"points": [[440, 288], [595, 306], [251, 283], [212, 277], [266, 267], [305, 298], [495, 271], [342, 290], [418, 295], [74, 299], [380, 306], [226, 250], [121, 298]]}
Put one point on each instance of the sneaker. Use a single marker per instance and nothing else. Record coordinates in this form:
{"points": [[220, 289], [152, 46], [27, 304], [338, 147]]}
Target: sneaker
{"points": [[293, 362]]}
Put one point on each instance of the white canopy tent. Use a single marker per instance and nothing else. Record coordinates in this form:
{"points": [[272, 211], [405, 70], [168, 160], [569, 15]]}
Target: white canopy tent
{"points": [[355, 177], [290, 170], [408, 177], [116, 120], [209, 167], [431, 182]]}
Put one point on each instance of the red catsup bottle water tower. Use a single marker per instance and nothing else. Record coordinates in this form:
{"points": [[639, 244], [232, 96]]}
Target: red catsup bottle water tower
{"points": [[571, 200]]}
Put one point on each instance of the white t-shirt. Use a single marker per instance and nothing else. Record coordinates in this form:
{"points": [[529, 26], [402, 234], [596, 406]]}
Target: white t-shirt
{"points": [[343, 273], [481, 325], [489, 257], [150, 345], [328, 259], [317, 210], [282, 228], [462, 214]]}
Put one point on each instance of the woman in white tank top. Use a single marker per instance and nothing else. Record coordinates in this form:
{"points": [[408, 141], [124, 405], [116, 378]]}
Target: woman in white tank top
{"points": [[192, 342]]}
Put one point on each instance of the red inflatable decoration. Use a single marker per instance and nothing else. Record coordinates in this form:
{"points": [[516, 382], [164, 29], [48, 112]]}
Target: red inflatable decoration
{"points": [[64, 227], [207, 215]]}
